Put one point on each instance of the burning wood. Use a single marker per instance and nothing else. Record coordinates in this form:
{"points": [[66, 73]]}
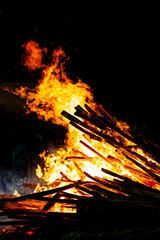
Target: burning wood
{"points": [[103, 169], [110, 188]]}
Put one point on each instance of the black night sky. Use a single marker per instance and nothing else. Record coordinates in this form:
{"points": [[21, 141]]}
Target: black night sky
{"points": [[114, 50]]}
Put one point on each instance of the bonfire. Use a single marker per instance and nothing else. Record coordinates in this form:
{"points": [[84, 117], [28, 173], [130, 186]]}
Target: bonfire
{"points": [[102, 165]]}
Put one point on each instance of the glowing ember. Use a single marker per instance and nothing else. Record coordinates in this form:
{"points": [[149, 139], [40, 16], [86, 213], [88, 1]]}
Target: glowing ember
{"points": [[29, 233]]}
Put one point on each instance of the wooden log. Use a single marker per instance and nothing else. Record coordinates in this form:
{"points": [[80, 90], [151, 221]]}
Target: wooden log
{"points": [[49, 205], [81, 110], [79, 123], [110, 187], [66, 178], [93, 136], [95, 116], [93, 150], [36, 196], [79, 172], [74, 119], [134, 197], [105, 190], [145, 169], [136, 171], [100, 134], [88, 191], [67, 201], [83, 154], [146, 147], [29, 185], [74, 196], [108, 115], [87, 116], [89, 120], [113, 159], [136, 156], [114, 174], [128, 182], [111, 140], [115, 128]]}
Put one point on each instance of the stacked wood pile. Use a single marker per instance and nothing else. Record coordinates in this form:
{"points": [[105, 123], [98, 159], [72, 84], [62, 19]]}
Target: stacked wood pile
{"points": [[101, 203]]}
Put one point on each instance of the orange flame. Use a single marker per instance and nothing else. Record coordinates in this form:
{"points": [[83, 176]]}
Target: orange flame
{"points": [[55, 93], [33, 55]]}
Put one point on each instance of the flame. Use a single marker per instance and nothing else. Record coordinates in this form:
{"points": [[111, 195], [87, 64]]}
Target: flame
{"points": [[16, 194], [57, 92], [33, 55], [39, 171]]}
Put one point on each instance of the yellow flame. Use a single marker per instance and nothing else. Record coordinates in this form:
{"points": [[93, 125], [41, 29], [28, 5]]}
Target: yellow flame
{"points": [[55, 93]]}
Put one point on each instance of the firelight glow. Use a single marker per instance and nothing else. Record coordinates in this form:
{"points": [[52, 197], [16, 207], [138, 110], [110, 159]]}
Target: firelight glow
{"points": [[56, 92]]}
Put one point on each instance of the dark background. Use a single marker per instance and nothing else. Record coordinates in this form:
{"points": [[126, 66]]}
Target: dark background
{"points": [[113, 49]]}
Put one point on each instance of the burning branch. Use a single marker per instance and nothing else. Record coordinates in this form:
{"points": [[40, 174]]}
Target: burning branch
{"points": [[106, 172]]}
